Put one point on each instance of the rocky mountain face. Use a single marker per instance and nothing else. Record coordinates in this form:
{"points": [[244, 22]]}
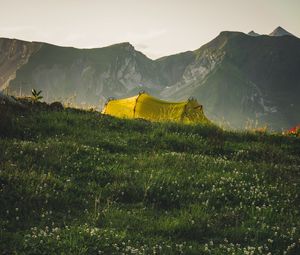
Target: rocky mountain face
{"points": [[244, 79], [238, 78], [13, 54], [86, 75]]}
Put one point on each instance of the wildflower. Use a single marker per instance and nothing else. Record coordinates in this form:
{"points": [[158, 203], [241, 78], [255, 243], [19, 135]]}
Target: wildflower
{"points": [[206, 247]]}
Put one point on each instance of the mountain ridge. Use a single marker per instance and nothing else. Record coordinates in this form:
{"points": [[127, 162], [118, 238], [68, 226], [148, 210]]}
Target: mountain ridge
{"points": [[255, 89], [253, 33], [251, 71]]}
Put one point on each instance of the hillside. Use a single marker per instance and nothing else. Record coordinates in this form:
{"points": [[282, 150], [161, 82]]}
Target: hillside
{"points": [[238, 78], [78, 182]]}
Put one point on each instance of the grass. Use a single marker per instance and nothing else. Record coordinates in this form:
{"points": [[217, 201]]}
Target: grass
{"points": [[77, 182]]}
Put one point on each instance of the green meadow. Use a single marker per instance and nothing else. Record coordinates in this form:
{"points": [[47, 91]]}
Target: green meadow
{"points": [[78, 182]]}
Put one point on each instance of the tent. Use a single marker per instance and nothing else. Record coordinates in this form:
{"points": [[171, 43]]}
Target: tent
{"points": [[150, 108]]}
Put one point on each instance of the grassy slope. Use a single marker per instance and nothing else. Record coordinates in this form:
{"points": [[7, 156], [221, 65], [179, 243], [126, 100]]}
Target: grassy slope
{"points": [[82, 183]]}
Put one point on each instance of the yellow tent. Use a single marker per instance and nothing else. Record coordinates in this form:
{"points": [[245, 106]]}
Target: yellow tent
{"points": [[147, 107]]}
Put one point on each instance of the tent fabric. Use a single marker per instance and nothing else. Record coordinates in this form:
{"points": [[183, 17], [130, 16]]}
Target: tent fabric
{"points": [[150, 108]]}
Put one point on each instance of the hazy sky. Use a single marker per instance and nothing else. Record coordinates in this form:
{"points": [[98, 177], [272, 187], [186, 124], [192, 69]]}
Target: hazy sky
{"points": [[155, 27]]}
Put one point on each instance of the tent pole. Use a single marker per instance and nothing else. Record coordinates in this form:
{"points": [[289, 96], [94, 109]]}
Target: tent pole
{"points": [[183, 112], [136, 104]]}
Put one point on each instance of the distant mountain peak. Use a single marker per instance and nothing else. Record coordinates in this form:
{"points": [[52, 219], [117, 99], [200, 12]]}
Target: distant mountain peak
{"points": [[252, 33], [279, 31], [126, 45]]}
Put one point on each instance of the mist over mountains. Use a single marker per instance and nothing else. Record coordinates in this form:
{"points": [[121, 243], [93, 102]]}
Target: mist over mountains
{"points": [[237, 77]]}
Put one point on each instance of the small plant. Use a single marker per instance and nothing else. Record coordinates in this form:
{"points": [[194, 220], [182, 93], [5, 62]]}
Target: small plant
{"points": [[36, 96]]}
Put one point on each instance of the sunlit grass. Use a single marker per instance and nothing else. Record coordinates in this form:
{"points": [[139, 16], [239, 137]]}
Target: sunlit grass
{"points": [[77, 182]]}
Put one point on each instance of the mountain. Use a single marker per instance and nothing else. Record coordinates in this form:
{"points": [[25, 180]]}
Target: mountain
{"points": [[238, 78], [86, 75], [279, 31], [13, 54], [252, 33]]}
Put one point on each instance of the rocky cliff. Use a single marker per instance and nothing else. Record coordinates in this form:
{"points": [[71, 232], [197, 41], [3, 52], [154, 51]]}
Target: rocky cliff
{"points": [[13, 54]]}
